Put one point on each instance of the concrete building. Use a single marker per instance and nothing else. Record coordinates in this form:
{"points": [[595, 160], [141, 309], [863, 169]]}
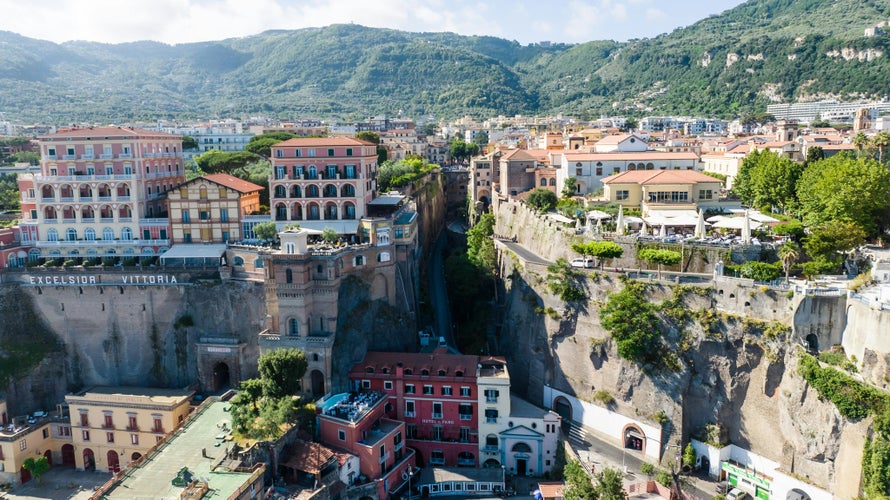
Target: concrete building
{"points": [[226, 136], [211, 208], [41, 434], [484, 177], [517, 171], [323, 182], [101, 193], [590, 169], [662, 190], [114, 426]]}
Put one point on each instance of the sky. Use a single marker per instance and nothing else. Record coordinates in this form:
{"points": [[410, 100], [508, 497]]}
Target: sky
{"points": [[183, 21]]}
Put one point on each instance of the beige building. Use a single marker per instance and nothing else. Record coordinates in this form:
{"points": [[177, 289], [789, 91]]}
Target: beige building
{"points": [[41, 434], [114, 426], [209, 209], [662, 190]]}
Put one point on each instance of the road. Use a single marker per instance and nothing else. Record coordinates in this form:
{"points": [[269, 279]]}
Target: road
{"points": [[599, 453], [523, 253], [439, 293]]}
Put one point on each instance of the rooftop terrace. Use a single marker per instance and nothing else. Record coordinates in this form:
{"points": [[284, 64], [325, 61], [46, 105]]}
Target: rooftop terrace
{"points": [[350, 406]]}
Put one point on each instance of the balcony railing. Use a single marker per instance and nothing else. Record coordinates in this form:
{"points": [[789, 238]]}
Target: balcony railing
{"points": [[437, 415], [125, 156], [87, 157], [69, 157], [158, 430], [410, 414], [84, 177], [106, 156], [134, 428], [102, 243]]}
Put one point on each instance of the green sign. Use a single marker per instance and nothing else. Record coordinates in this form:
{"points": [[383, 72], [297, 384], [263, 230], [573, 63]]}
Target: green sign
{"points": [[738, 471]]}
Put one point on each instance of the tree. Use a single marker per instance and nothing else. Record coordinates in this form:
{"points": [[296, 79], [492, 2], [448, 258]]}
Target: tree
{"points": [[329, 235], [568, 187], [793, 229], [481, 139], [36, 466], [282, 370], [861, 142], [430, 128], [564, 281], [768, 180], [543, 200], [841, 188], [215, 161], [788, 253], [881, 141], [578, 484], [689, 457], [610, 484], [631, 320], [814, 154], [251, 391], [630, 124], [759, 271], [662, 257], [605, 250], [261, 147], [480, 246], [265, 231], [189, 143], [368, 136], [828, 241]]}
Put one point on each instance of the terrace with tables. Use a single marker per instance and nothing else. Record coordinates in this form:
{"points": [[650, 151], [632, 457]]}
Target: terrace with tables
{"points": [[350, 406]]}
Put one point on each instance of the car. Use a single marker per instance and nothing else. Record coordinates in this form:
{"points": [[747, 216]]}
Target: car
{"points": [[737, 494], [580, 262]]}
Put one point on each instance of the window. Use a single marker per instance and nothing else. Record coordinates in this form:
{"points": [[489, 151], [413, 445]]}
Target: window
{"points": [[437, 432], [409, 409], [437, 410], [491, 395], [224, 214], [186, 218], [203, 215], [157, 425], [446, 390], [131, 422], [465, 411], [705, 194], [45, 433], [85, 434], [622, 194], [108, 423], [366, 384], [491, 416], [348, 151], [109, 436], [437, 457], [491, 442], [427, 389], [330, 152], [341, 435], [465, 392], [23, 444], [187, 237], [84, 419], [387, 385], [578, 172], [293, 326], [222, 193], [134, 438], [599, 170], [409, 388]]}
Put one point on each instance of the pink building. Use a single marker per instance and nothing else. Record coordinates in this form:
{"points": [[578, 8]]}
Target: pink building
{"points": [[101, 192], [329, 180]]}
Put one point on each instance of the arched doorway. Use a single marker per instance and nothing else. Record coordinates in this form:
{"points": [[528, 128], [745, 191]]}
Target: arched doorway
{"points": [[114, 464], [89, 461], [491, 463], [221, 376], [26, 475], [564, 409], [466, 459], [317, 380], [633, 438], [49, 457], [797, 494], [68, 454], [522, 453], [813, 342]]}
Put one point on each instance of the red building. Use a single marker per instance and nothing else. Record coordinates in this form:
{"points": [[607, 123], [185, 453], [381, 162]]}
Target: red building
{"points": [[357, 422], [435, 394]]}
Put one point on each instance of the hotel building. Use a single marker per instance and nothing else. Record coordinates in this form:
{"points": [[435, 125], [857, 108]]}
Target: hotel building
{"points": [[209, 209], [101, 192], [322, 182]]}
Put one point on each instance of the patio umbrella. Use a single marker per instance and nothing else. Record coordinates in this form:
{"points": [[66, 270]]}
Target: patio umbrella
{"points": [[746, 229], [599, 225], [587, 227], [644, 229], [664, 232], [619, 225], [700, 225]]}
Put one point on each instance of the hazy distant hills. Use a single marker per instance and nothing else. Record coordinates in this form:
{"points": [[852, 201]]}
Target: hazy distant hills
{"points": [[761, 51]]}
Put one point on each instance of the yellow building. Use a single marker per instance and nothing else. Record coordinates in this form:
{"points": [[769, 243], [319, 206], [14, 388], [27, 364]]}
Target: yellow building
{"points": [[32, 436], [662, 190], [114, 426], [209, 209]]}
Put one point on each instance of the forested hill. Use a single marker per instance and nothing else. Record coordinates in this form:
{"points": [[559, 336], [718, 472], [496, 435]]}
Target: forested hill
{"points": [[759, 52]]}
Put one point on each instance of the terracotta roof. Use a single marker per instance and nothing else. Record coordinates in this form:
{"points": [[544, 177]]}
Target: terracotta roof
{"points": [[777, 144], [319, 142], [518, 154], [309, 457], [630, 156], [98, 132], [741, 148], [644, 177], [838, 147], [232, 182], [439, 359], [552, 489]]}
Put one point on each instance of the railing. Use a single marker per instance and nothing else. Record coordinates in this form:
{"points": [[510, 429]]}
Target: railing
{"points": [[84, 177], [87, 157], [133, 428], [106, 156], [437, 415], [125, 156], [63, 243], [69, 157]]}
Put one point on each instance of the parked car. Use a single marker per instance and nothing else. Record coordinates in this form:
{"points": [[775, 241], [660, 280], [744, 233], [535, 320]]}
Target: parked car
{"points": [[588, 263], [737, 494]]}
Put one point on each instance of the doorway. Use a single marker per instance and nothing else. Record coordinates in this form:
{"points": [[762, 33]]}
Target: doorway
{"points": [[521, 466], [89, 461], [317, 379], [49, 457], [114, 464], [221, 376], [68, 454]]}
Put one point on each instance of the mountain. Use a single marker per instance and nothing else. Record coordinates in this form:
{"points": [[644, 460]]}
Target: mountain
{"points": [[759, 52]]}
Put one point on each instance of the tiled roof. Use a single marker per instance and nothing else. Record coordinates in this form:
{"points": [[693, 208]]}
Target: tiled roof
{"points": [[518, 154], [613, 139], [319, 142], [440, 359], [309, 457], [232, 182], [644, 177], [102, 132]]}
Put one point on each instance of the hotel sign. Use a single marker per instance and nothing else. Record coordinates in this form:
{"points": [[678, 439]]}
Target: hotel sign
{"points": [[94, 279]]}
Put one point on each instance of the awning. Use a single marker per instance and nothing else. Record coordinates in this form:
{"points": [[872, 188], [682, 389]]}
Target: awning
{"points": [[194, 255], [561, 218], [597, 215], [341, 226], [733, 222]]}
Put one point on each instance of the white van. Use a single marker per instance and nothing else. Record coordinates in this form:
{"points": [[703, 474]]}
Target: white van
{"points": [[737, 494]]}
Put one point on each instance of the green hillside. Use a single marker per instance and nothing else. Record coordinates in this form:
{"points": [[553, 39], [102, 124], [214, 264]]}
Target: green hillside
{"points": [[759, 52]]}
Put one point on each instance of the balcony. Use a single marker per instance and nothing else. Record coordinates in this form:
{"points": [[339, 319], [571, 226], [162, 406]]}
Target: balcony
{"points": [[410, 414], [108, 426], [88, 157], [158, 430], [88, 220], [104, 198], [85, 177], [67, 199], [102, 243], [69, 220], [491, 420], [69, 157], [106, 156], [133, 428], [125, 156], [491, 399], [437, 415]]}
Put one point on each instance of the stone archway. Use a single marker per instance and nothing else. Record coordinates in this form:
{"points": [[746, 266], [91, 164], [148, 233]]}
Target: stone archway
{"points": [[633, 438], [68, 454], [812, 342], [317, 382], [563, 408], [221, 377]]}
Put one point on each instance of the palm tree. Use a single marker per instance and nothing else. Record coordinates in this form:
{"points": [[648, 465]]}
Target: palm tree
{"points": [[860, 141], [788, 253], [881, 141]]}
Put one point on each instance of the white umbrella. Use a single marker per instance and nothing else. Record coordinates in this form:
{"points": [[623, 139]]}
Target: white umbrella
{"points": [[619, 225], [587, 225], [700, 226], [664, 232], [746, 229], [599, 225], [644, 230]]}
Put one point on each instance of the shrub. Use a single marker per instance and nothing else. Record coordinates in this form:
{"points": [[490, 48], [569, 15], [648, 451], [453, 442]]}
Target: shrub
{"points": [[664, 478], [647, 469], [760, 271], [604, 397]]}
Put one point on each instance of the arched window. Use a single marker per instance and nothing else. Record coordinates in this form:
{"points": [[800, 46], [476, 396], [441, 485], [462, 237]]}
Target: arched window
{"points": [[296, 192], [108, 234], [71, 234], [52, 235], [293, 327], [348, 190], [330, 191], [313, 172], [521, 448], [89, 234], [33, 254], [312, 191], [553, 181], [543, 182], [126, 234], [280, 191]]}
